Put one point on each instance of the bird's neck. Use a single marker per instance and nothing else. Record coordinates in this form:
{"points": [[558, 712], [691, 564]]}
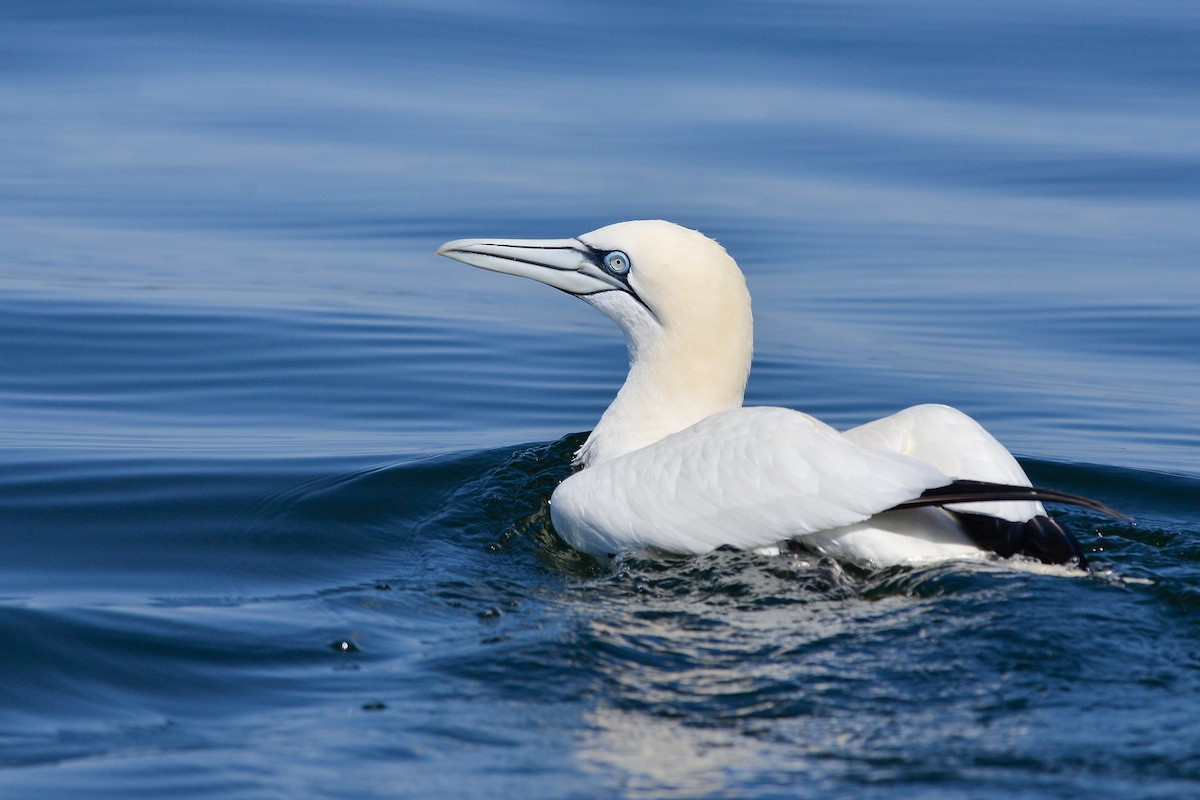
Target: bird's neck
{"points": [[676, 378]]}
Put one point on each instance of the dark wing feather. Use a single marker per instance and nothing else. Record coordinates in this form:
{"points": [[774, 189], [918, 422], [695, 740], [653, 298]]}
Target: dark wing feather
{"points": [[982, 491], [1041, 537]]}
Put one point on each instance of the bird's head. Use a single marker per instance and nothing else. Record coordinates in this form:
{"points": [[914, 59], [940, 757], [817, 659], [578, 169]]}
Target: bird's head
{"points": [[681, 302], [655, 279]]}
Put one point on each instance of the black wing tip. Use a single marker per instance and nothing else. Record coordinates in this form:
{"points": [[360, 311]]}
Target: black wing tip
{"points": [[1041, 537], [966, 491]]}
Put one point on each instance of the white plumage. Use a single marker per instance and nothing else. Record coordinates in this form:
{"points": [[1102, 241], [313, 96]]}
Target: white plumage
{"points": [[678, 464], [750, 477]]}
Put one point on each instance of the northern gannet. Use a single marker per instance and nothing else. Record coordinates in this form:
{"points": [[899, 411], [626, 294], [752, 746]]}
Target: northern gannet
{"points": [[677, 463]]}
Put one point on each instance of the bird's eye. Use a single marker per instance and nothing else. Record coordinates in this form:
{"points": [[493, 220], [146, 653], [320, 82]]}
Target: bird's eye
{"points": [[617, 262]]}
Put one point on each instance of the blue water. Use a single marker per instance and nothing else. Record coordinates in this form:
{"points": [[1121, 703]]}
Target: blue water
{"points": [[273, 478]]}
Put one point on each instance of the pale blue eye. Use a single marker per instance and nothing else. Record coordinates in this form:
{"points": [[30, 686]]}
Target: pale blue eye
{"points": [[617, 262]]}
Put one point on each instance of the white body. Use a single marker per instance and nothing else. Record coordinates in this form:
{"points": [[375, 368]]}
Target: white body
{"points": [[678, 464], [755, 477]]}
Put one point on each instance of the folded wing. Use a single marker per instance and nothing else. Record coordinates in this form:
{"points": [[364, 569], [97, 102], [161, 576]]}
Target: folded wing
{"points": [[956, 445], [749, 477]]}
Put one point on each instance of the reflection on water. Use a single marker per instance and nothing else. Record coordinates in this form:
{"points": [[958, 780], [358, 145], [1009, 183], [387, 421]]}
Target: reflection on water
{"points": [[659, 757], [720, 668], [746, 672]]}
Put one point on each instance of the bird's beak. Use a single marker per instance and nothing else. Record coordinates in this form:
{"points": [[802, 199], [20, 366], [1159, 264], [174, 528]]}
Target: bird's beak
{"points": [[566, 264]]}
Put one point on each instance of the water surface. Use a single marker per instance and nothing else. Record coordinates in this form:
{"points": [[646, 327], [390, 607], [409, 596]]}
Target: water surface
{"points": [[273, 478]]}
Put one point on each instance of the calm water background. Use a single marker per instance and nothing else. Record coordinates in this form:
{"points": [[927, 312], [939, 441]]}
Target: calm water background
{"points": [[273, 478]]}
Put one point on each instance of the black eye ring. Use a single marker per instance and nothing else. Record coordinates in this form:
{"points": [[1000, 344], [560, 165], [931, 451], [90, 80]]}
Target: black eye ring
{"points": [[617, 262]]}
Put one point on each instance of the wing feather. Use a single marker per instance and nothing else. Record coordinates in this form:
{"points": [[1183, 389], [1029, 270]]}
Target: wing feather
{"points": [[749, 477], [955, 444]]}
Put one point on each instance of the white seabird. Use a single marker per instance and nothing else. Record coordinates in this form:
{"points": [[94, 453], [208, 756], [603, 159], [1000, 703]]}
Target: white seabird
{"points": [[677, 463]]}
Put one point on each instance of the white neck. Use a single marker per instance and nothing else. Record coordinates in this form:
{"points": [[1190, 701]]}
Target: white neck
{"points": [[683, 368]]}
